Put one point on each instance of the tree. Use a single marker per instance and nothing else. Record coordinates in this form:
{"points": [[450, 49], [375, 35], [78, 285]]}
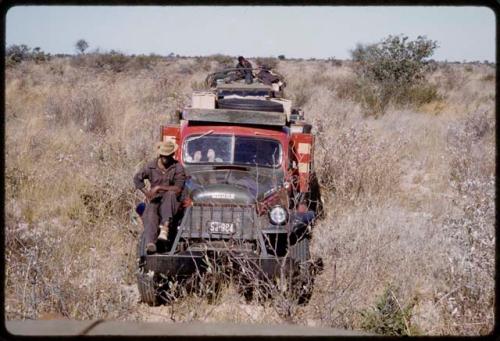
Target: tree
{"points": [[394, 70], [281, 57], [395, 59], [81, 45], [17, 53]]}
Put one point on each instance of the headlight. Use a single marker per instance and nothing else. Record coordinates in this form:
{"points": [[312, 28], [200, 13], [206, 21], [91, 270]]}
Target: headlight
{"points": [[278, 215]]}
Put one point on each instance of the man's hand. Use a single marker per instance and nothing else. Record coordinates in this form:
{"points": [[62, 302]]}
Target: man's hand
{"points": [[153, 192], [156, 189], [148, 194]]}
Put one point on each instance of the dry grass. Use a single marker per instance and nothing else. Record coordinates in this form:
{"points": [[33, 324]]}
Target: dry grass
{"points": [[409, 195]]}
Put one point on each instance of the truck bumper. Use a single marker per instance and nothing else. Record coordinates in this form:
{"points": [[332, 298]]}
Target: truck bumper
{"points": [[184, 265]]}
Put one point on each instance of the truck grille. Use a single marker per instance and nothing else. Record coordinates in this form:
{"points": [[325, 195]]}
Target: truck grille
{"points": [[198, 218]]}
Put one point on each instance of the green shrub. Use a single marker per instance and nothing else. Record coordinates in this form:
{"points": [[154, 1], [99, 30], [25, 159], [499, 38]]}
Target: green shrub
{"points": [[392, 67], [395, 60], [388, 317], [374, 99], [15, 54], [421, 94]]}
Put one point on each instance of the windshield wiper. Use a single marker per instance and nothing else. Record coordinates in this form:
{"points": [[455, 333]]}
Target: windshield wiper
{"points": [[203, 135], [231, 167]]}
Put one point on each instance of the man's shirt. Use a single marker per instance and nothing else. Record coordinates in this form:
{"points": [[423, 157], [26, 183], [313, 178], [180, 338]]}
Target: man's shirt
{"points": [[157, 175]]}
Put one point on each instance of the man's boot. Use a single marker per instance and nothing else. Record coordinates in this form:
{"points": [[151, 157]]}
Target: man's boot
{"points": [[163, 232], [150, 248]]}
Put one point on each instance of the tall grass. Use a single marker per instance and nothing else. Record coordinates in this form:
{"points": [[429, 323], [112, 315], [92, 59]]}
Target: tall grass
{"points": [[409, 195]]}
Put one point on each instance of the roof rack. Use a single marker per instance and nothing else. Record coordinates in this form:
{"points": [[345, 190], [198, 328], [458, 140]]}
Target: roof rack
{"points": [[230, 73], [235, 116]]}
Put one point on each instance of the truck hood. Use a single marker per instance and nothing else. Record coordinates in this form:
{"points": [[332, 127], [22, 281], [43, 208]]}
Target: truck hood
{"points": [[230, 186], [222, 194]]}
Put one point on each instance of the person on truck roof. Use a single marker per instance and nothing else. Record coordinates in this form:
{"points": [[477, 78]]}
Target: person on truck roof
{"points": [[247, 74], [166, 177], [266, 76]]}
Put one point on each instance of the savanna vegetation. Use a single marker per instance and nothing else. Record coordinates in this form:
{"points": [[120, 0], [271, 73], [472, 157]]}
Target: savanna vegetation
{"points": [[407, 177]]}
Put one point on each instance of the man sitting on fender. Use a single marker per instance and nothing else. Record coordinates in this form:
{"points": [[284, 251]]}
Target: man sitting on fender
{"points": [[166, 177]]}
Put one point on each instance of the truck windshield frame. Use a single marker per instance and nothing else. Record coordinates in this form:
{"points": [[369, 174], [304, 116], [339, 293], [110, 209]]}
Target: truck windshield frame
{"points": [[220, 149]]}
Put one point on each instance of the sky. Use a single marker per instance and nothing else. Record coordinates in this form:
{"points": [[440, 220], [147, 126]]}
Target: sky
{"points": [[462, 33]]}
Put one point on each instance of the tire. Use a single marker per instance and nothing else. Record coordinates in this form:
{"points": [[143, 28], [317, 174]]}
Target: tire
{"points": [[146, 283], [250, 104], [303, 282], [300, 251], [316, 202], [148, 288]]}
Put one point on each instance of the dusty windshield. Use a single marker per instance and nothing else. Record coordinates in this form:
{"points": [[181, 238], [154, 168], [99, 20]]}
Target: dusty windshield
{"points": [[258, 184], [230, 149]]}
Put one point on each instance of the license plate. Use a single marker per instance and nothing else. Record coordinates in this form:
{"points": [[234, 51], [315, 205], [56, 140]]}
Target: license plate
{"points": [[219, 227]]}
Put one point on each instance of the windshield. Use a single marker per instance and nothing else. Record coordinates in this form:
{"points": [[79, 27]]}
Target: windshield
{"points": [[258, 184], [227, 149]]}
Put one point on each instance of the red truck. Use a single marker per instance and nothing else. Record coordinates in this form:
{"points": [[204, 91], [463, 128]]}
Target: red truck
{"points": [[251, 193]]}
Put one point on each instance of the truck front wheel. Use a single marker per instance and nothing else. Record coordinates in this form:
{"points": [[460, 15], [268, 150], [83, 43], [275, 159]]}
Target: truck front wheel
{"points": [[304, 277], [146, 282]]}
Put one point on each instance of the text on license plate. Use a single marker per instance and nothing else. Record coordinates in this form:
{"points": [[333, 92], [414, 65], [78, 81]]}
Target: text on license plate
{"points": [[219, 227]]}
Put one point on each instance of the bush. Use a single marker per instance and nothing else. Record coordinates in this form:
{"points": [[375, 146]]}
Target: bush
{"points": [[335, 62], [374, 100], [269, 61], [142, 62], [393, 67], [489, 77], [223, 60], [421, 94], [15, 54], [388, 317], [395, 60], [113, 61]]}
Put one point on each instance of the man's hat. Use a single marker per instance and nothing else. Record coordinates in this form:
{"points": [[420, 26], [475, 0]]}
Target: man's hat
{"points": [[167, 147]]}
